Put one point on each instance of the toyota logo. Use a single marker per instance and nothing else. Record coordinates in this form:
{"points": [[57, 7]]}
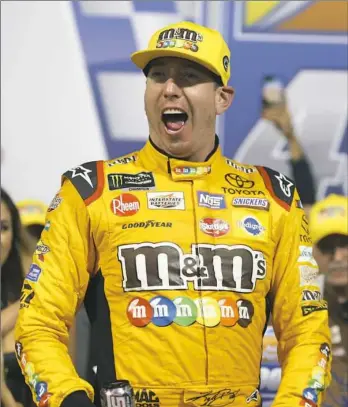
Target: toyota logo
{"points": [[238, 181]]}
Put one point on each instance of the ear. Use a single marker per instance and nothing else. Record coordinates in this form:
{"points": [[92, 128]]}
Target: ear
{"points": [[223, 98]]}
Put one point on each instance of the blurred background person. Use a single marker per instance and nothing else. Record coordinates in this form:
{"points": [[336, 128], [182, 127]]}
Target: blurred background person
{"points": [[328, 223], [32, 214], [16, 251], [277, 112]]}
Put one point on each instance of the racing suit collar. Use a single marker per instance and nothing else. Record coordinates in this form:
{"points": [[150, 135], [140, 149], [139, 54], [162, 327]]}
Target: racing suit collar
{"points": [[156, 159]]}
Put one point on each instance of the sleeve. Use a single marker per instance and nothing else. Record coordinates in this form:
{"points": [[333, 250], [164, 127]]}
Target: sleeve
{"points": [[303, 176], [52, 292], [300, 317]]}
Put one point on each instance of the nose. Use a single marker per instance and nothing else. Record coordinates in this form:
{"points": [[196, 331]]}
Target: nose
{"points": [[341, 254], [171, 89]]}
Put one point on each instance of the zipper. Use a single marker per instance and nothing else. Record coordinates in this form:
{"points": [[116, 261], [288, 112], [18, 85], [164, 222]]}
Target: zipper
{"points": [[195, 220]]}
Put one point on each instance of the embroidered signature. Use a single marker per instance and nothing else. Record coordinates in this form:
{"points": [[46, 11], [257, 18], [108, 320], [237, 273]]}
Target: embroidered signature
{"points": [[219, 398]]}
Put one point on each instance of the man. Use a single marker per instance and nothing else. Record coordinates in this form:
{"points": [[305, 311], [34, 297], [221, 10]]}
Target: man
{"points": [[190, 251], [329, 226]]}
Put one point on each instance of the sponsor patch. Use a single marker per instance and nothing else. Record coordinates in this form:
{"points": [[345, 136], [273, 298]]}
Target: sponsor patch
{"points": [[125, 205], [308, 275], [164, 266], [325, 350], [179, 38], [140, 181], [185, 311], [309, 295], [56, 201], [192, 170], [41, 250], [247, 202], [47, 226], [252, 226], [34, 273], [238, 181], [306, 255], [165, 200], [26, 296], [310, 394], [146, 398], [246, 170], [122, 160], [211, 201], [308, 309], [237, 191], [147, 224], [214, 227]]}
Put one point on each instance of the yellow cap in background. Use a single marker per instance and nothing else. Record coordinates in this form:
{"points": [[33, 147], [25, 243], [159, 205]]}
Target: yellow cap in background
{"points": [[191, 41], [329, 216], [32, 212]]}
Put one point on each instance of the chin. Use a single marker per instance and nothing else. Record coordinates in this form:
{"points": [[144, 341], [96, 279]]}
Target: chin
{"points": [[179, 148]]}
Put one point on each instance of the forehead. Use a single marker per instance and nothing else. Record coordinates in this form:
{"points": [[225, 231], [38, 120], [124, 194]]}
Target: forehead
{"points": [[174, 62]]}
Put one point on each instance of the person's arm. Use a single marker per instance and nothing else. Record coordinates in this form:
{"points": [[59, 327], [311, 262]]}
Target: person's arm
{"points": [[299, 316], [52, 292], [7, 399], [8, 318], [300, 167]]}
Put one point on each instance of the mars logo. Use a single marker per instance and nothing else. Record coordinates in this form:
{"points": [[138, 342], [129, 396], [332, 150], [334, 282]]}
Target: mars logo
{"points": [[214, 227], [185, 311], [164, 266], [180, 34]]}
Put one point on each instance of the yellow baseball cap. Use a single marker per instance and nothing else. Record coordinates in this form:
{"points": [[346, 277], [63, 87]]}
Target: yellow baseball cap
{"points": [[191, 41], [329, 216], [32, 212]]}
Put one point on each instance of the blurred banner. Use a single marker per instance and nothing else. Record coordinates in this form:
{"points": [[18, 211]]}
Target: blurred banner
{"points": [[71, 94]]}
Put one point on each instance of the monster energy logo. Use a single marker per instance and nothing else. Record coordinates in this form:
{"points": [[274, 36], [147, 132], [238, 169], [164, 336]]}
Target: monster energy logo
{"points": [[142, 180]]}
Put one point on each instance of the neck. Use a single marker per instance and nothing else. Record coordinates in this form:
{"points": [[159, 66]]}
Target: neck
{"points": [[203, 154]]}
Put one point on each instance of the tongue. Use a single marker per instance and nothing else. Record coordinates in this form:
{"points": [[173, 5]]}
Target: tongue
{"points": [[175, 126]]}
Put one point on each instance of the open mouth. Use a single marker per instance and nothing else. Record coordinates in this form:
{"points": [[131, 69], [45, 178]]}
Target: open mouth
{"points": [[174, 119]]}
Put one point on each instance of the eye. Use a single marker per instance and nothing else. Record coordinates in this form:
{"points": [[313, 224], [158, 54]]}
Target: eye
{"points": [[190, 75], [156, 73], [4, 226]]}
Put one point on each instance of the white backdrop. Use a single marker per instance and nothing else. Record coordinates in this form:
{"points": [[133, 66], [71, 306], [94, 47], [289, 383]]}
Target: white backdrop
{"points": [[49, 120]]}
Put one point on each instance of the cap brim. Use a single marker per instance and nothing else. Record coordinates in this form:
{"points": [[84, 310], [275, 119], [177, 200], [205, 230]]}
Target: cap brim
{"points": [[142, 58]]}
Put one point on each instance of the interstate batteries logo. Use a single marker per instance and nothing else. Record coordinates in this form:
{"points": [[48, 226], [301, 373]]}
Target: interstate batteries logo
{"points": [[165, 200], [184, 311]]}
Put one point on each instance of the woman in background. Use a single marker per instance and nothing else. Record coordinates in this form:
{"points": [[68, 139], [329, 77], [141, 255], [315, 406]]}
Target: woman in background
{"points": [[16, 251]]}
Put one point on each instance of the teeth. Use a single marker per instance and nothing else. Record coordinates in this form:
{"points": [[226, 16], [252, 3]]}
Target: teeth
{"points": [[173, 111]]}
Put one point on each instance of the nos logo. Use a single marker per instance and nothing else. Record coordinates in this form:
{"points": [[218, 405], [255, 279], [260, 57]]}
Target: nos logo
{"points": [[163, 266]]}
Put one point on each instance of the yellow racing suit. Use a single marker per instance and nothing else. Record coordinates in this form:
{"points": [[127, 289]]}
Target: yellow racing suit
{"points": [[190, 259]]}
